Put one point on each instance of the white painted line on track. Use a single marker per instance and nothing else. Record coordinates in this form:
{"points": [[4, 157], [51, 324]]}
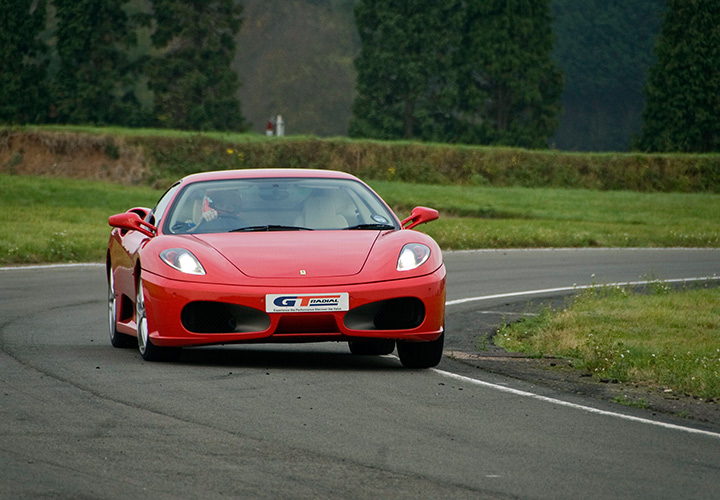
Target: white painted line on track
{"points": [[573, 288], [50, 266], [560, 402], [503, 388]]}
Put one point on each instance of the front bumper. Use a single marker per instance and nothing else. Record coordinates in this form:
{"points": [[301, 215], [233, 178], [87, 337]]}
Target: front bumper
{"points": [[185, 314]]}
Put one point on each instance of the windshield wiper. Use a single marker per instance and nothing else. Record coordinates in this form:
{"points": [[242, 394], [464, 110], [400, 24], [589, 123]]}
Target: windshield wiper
{"points": [[372, 226], [269, 227]]}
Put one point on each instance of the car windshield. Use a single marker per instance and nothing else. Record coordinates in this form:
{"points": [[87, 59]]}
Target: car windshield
{"points": [[276, 204]]}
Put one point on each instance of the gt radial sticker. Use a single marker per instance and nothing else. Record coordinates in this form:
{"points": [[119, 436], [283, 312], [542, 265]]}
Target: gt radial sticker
{"points": [[306, 302]]}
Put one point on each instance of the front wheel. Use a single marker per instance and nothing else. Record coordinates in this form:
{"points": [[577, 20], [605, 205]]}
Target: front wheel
{"points": [[148, 350], [421, 354], [117, 339]]}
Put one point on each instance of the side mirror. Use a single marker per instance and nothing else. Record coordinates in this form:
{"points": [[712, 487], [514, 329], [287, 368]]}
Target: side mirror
{"points": [[131, 221], [420, 215]]}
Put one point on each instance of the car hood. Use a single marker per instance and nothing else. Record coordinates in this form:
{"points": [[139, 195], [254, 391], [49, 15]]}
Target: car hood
{"points": [[295, 254]]}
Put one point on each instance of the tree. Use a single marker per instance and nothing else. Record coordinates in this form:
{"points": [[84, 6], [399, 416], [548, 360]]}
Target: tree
{"points": [[509, 88], [456, 71], [405, 73], [22, 61], [194, 84], [682, 109], [95, 82], [604, 48]]}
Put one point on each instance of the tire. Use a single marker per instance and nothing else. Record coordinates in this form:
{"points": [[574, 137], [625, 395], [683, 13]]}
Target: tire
{"points": [[421, 354], [148, 350], [117, 339], [375, 347]]}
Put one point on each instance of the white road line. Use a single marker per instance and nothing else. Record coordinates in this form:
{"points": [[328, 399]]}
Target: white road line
{"points": [[573, 288], [560, 402], [50, 266], [502, 388]]}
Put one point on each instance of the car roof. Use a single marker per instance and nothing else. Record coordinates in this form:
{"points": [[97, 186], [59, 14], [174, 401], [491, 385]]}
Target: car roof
{"points": [[263, 173]]}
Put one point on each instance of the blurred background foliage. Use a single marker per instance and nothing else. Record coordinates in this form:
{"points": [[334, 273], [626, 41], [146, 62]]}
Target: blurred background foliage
{"points": [[296, 58]]}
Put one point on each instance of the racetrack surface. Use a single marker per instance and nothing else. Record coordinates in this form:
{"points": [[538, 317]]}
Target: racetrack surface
{"points": [[79, 419]]}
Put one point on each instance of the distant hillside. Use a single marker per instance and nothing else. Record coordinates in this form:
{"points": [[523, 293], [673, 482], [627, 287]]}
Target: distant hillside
{"points": [[295, 58]]}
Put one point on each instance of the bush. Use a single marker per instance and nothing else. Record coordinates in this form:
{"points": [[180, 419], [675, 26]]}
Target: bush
{"points": [[162, 156]]}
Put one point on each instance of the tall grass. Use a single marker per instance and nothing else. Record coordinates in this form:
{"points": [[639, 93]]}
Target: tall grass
{"points": [[664, 338]]}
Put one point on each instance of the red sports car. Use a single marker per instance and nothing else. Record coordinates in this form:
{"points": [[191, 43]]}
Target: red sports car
{"points": [[275, 255]]}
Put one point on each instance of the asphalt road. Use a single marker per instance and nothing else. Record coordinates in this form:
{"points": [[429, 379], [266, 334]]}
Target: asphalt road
{"points": [[81, 420]]}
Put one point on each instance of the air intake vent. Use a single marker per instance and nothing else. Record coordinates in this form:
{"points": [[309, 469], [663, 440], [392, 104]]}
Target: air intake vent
{"points": [[220, 317], [404, 313]]}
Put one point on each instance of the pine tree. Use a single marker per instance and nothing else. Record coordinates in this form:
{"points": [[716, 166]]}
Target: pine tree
{"points": [[405, 74], [682, 109], [22, 58], [95, 82], [509, 87], [604, 48], [194, 84], [456, 71]]}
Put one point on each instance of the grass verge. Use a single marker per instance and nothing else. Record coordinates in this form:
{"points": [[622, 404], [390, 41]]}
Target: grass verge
{"points": [[62, 220], [664, 338], [487, 217]]}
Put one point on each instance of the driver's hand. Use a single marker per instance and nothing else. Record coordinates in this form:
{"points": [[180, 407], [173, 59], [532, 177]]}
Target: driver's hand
{"points": [[210, 215]]}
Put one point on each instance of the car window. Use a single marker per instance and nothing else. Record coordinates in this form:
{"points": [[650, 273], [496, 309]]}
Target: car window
{"points": [[276, 204], [157, 213]]}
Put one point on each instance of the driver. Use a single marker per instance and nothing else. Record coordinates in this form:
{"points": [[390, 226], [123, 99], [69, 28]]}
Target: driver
{"points": [[224, 213]]}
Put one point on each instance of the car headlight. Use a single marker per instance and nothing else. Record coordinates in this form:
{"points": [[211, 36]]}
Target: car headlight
{"points": [[182, 260], [412, 255]]}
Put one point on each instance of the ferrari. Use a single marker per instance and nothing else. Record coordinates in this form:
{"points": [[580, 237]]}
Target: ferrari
{"points": [[275, 255]]}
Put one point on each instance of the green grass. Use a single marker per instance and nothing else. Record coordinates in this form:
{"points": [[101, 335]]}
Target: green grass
{"points": [[662, 338], [484, 217], [148, 132], [61, 220]]}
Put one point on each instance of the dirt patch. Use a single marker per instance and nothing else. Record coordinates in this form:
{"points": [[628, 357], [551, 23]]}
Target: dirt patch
{"points": [[77, 156]]}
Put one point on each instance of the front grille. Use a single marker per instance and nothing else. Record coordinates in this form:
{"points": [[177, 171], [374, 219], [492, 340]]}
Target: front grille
{"points": [[403, 313], [220, 317]]}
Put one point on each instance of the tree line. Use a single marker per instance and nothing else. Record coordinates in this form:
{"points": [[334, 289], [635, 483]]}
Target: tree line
{"points": [[456, 71], [89, 73], [459, 71]]}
